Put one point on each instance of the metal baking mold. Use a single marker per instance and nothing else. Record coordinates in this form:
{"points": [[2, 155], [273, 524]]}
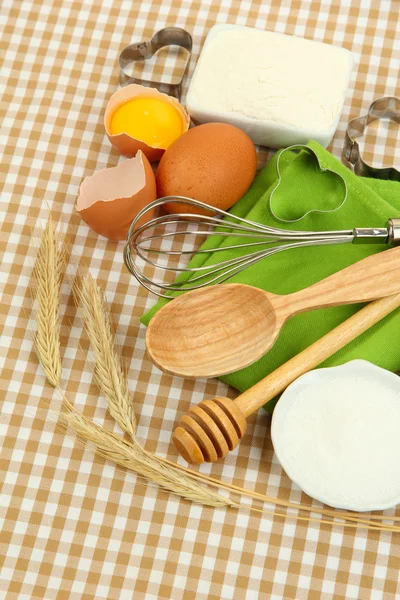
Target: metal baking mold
{"points": [[383, 108], [170, 36], [321, 169]]}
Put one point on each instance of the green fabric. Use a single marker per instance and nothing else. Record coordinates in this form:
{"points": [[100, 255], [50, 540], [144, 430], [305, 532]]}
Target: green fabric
{"points": [[370, 202]]}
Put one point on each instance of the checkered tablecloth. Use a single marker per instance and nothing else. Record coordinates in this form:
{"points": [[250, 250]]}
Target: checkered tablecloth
{"points": [[71, 525]]}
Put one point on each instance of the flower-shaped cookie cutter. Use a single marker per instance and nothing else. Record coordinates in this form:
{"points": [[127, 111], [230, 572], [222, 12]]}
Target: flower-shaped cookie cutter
{"points": [[321, 169], [170, 36], [383, 108]]}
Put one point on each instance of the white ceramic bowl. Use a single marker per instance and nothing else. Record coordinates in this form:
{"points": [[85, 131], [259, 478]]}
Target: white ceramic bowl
{"points": [[336, 433]]}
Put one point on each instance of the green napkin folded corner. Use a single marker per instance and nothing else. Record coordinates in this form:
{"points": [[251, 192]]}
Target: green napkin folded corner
{"points": [[370, 203]]}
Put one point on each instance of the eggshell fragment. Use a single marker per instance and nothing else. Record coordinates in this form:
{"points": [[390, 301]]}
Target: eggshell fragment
{"points": [[110, 199], [126, 144]]}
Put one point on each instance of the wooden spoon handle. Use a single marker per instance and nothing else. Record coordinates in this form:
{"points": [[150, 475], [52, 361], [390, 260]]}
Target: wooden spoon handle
{"points": [[269, 387], [373, 277], [214, 427]]}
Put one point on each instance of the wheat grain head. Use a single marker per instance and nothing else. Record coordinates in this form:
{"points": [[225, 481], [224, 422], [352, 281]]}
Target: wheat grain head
{"points": [[109, 374], [48, 273]]}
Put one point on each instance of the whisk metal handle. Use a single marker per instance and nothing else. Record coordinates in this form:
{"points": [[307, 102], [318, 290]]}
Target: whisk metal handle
{"points": [[369, 235], [378, 235]]}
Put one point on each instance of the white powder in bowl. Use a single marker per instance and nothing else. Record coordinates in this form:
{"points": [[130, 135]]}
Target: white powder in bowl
{"points": [[336, 433]]}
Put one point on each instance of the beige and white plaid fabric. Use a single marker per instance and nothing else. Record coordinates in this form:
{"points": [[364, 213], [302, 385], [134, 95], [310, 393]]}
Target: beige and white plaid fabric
{"points": [[75, 527]]}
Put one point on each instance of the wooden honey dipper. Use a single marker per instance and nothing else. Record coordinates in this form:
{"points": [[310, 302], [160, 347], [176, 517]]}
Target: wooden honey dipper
{"points": [[213, 428]]}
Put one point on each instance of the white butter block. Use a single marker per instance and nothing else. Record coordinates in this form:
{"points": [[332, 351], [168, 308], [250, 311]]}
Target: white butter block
{"points": [[279, 89]]}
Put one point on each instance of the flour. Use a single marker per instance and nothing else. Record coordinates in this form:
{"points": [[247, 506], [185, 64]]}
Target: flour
{"points": [[339, 438]]}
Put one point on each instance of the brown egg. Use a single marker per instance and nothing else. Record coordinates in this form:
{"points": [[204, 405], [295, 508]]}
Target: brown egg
{"points": [[126, 144], [214, 163], [110, 199]]}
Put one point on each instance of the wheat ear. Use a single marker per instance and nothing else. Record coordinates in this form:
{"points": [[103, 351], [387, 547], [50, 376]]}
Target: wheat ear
{"points": [[48, 275], [132, 456], [109, 374], [112, 383]]}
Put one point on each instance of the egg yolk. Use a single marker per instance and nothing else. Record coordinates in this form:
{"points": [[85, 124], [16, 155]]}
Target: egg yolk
{"points": [[150, 120]]}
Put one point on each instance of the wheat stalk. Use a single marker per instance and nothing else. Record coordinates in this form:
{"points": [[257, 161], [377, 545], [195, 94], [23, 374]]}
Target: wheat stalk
{"points": [[337, 514], [48, 273], [132, 456], [126, 454], [109, 375]]}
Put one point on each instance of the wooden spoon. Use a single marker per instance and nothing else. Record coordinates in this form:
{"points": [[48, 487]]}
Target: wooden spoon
{"points": [[220, 329]]}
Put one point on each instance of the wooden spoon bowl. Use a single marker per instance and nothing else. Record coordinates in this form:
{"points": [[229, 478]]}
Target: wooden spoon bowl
{"points": [[204, 320]]}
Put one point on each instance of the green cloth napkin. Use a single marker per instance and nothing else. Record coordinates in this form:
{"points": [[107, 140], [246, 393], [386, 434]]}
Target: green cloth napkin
{"points": [[370, 203]]}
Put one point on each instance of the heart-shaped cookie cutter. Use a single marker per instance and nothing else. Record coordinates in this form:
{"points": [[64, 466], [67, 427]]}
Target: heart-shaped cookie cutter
{"points": [[321, 169], [170, 36], [383, 108]]}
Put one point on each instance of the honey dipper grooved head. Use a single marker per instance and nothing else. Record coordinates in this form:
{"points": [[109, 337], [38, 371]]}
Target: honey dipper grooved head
{"points": [[209, 431]]}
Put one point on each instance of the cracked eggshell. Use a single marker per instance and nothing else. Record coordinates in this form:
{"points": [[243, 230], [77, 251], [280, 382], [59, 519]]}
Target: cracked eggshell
{"points": [[110, 199], [126, 144]]}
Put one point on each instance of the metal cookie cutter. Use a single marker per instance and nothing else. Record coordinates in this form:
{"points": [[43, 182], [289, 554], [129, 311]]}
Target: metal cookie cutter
{"points": [[383, 108], [170, 36], [273, 199]]}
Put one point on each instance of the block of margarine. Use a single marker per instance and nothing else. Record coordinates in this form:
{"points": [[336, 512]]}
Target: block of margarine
{"points": [[279, 89]]}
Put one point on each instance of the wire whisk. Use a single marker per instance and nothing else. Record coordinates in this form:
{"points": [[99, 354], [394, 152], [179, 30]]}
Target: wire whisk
{"points": [[164, 242]]}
